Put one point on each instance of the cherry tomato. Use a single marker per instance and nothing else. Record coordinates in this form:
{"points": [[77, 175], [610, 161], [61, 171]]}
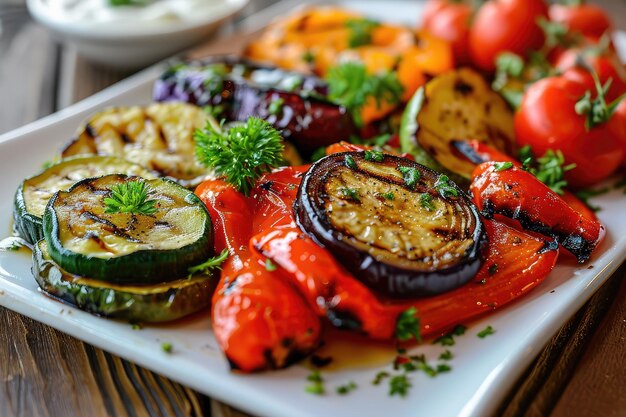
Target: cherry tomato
{"points": [[505, 25], [450, 20], [618, 125], [547, 119], [587, 19], [605, 63]]}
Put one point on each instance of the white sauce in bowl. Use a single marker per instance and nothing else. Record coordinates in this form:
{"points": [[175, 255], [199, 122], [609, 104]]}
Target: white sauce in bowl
{"points": [[154, 13]]}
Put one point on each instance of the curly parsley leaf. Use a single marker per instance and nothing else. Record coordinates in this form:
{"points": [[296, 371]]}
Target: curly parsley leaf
{"points": [[549, 169], [242, 154], [350, 85], [130, 197]]}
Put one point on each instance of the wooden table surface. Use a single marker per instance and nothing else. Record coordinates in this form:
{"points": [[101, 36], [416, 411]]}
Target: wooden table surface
{"points": [[43, 372]]}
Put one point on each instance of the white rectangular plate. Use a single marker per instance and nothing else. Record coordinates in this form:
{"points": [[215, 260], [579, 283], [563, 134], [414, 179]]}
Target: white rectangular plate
{"points": [[483, 369]]}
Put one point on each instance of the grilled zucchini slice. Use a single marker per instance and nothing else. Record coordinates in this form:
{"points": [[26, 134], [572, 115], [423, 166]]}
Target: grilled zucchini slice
{"points": [[85, 239], [401, 228], [146, 304], [460, 105], [158, 137], [33, 194]]}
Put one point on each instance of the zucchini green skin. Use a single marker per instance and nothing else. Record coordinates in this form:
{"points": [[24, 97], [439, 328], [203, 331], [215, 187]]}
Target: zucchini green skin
{"points": [[139, 267], [28, 224], [147, 304]]}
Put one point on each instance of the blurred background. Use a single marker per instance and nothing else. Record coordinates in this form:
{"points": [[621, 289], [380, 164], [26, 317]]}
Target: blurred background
{"points": [[39, 75]]}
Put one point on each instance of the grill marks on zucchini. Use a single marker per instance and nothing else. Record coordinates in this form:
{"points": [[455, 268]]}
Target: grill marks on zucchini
{"points": [[399, 246], [158, 136], [35, 192], [126, 247]]}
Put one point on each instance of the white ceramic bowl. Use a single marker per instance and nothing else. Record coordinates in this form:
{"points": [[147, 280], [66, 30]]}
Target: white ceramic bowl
{"points": [[134, 46]]}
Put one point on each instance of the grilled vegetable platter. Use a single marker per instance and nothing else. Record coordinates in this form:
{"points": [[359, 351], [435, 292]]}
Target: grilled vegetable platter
{"points": [[343, 175]]}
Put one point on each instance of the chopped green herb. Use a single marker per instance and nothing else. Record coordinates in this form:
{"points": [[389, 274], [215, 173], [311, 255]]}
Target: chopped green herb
{"points": [[276, 106], [548, 169], [269, 265], [445, 188], [448, 338], [317, 383], [345, 389], [350, 85], [442, 367], [446, 355], [502, 166], [242, 154], [360, 31], [493, 269], [136, 326], [210, 264], [379, 377], [408, 325], [308, 57], [376, 156], [350, 193], [214, 76], [410, 175], [399, 385], [130, 197], [388, 196], [426, 201], [486, 332], [166, 347], [350, 162]]}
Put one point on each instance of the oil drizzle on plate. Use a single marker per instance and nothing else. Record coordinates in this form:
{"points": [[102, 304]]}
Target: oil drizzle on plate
{"points": [[353, 351]]}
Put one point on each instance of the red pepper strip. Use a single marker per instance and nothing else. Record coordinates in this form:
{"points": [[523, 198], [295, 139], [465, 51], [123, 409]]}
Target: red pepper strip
{"points": [[260, 321], [351, 147], [517, 194], [523, 261]]}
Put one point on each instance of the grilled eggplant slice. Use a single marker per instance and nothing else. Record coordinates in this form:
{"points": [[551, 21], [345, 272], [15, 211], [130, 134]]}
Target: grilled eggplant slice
{"points": [[127, 248], [146, 304], [237, 89], [399, 227], [33, 194], [460, 105], [158, 137]]}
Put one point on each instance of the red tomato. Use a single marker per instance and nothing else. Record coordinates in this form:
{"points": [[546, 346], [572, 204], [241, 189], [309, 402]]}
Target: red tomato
{"points": [[588, 19], [605, 64], [450, 21], [505, 25], [547, 119], [618, 125]]}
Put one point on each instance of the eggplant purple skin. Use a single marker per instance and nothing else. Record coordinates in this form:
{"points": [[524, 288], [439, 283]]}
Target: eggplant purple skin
{"points": [[306, 117], [386, 280]]}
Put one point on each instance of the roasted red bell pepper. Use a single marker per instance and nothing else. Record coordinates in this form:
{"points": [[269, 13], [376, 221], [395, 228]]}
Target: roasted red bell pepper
{"points": [[260, 321], [519, 195]]}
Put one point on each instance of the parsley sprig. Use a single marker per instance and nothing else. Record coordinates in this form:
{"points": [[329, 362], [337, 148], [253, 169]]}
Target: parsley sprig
{"points": [[209, 265], [350, 85], [549, 169], [130, 197], [360, 31], [242, 154]]}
